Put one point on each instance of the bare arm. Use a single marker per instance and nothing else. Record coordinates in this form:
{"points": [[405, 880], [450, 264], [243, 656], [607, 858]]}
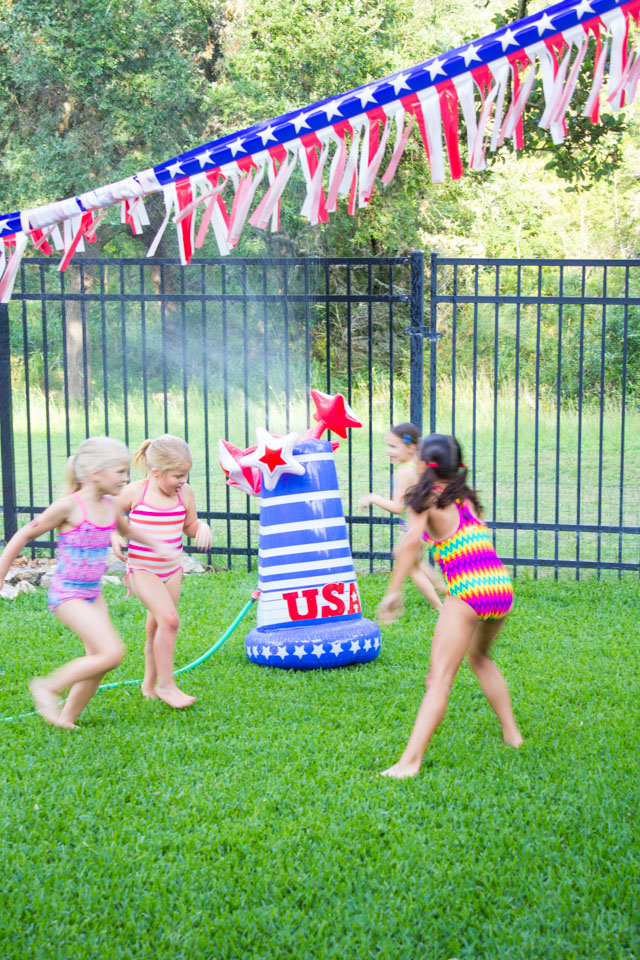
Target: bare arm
{"points": [[52, 517], [404, 479], [409, 548], [198, 529]]}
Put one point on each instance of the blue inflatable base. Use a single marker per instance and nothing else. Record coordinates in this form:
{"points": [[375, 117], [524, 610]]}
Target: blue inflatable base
{"points": [[317, 647]]}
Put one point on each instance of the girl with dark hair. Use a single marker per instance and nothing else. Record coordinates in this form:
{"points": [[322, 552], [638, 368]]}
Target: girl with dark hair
{"points": [[401, 442], [479, 594]]}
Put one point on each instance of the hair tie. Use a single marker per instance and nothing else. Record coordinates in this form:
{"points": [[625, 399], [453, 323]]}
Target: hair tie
{"points": [[463, 464], [432, 464], [407, 438]]}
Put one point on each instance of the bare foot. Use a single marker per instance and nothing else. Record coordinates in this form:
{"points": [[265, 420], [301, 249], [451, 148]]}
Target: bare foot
{"points": [[46, 701], [175, 697], [514, 740], [401, 770], [149, 691]]}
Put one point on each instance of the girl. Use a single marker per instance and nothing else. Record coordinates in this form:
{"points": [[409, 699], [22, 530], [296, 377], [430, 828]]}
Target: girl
{"points": [[163, 506], [85, 519], [401, 444], [479, 593]]}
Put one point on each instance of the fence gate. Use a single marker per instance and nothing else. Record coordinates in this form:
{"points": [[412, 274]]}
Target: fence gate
{"points": [[535, 366]]}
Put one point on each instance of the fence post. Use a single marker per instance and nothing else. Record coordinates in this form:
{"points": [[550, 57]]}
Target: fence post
{"points": [[416, 334], [433, 339], [6, 428]]}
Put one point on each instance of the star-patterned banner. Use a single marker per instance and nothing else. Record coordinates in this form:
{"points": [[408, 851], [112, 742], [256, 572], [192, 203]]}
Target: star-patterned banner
{"points": [[341, 142]]}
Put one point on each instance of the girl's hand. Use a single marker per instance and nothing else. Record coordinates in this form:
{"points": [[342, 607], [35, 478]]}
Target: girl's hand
{"points": [[390, 608], [366, 501], [118, 544], [203, 536]]}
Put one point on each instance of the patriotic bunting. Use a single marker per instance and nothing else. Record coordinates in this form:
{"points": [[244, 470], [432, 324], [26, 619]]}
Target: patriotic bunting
{"points": [[345, 144]]}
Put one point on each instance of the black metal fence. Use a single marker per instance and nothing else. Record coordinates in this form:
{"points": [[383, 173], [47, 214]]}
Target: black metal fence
{"points": [[534, 365]]}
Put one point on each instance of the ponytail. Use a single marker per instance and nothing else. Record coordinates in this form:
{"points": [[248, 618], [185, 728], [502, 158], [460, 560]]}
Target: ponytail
{"points": [[71, 481], [140, 456], [443, 458]]}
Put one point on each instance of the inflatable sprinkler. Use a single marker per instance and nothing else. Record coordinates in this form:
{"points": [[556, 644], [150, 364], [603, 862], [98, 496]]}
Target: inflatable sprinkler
{"points": [[309, 609]]}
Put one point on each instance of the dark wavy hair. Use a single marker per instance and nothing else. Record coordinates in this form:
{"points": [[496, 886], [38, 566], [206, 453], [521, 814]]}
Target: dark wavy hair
{"points": [[443, 457]]}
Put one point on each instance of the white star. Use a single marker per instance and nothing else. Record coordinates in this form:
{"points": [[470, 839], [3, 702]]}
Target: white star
{"points": [[281, 651], [300, 121], [318, 650], [508, 38], [336, 647], [436, 68], [174, 168], [583, 7], [299, 650], [545, 23], [266, 135], [376, 643], [400, 82], [469, 54], [205, 158], [268, 652], [355, 646], [366, 96], [333, 109], [273, 456], [4, 225], [236, 146], [367, 643]]}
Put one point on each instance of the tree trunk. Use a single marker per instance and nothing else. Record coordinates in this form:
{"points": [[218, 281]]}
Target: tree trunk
{"points": [[75, 334]]}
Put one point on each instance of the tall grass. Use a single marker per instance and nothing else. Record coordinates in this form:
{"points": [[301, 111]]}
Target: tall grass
{"points": [[532, 462]]}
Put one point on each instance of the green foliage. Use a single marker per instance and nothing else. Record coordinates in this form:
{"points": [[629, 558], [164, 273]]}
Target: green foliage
{"points": [[255, 825]]}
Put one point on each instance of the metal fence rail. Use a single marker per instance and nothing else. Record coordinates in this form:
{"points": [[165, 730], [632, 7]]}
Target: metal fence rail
{"points": [[533, 364]]}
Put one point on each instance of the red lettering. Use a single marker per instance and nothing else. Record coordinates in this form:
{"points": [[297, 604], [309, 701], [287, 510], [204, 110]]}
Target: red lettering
{"points": [[311, 596], [354, 599], [330, 593]]}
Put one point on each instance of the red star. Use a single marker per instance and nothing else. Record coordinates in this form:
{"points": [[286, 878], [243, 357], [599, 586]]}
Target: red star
{"points": [[333, 413], [272, 458]]}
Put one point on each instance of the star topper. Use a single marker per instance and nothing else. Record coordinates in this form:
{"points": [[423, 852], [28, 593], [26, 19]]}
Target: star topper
{"points": [[333, 413], [273, 456], [247, 479]]}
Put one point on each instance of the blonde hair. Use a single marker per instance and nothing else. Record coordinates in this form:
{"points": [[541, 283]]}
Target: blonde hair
{"points": [[163, 453], [94, 453]]}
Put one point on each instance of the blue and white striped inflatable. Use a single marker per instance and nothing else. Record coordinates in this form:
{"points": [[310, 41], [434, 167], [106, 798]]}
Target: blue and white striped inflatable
{"points": [[309, 611]]}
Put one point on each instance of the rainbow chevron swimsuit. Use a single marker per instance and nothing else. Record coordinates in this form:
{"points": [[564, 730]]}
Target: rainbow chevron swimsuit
{"points": [[472, 569]]}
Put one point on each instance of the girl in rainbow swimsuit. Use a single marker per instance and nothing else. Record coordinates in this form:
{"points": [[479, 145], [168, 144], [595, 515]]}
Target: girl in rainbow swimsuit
{"points": [[161, 506], [478, 600]]}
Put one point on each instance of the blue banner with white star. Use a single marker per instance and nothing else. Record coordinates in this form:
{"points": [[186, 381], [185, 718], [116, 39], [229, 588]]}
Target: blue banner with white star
{"points": [[342, 142]]}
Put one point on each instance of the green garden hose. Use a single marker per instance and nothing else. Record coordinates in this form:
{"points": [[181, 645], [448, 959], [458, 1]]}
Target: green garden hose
{"points": [[190, 666]]}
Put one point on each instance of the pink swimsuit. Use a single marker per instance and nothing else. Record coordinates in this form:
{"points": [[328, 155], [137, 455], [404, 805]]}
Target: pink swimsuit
{"points": [[166, 526], [81, 560]]}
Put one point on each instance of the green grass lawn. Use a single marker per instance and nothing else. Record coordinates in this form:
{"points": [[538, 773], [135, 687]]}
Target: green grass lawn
{"points": [[255, 826]]}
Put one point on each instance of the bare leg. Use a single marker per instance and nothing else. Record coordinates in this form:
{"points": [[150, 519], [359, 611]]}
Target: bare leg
{"points": [[491, 680], [451, 639], [105, 650], [160, 599], [150, 669], [425, 586]]}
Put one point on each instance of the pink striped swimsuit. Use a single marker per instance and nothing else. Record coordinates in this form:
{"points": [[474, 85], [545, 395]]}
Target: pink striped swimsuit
{"points": [[81, 560], [166, 526]]}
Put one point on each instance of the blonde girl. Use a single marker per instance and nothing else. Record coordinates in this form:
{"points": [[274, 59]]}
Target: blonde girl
{"points": [[401, 442], [85, 518], [162, 506]]}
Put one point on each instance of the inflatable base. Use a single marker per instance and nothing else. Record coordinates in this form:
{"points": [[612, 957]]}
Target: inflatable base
{"points": [[316, 646]]}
